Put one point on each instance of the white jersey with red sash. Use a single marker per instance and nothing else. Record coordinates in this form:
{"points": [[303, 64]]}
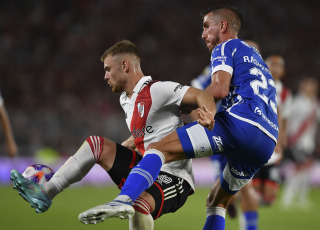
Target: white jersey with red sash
{"points": [[302, 124], [152, 112], [284, 99]]}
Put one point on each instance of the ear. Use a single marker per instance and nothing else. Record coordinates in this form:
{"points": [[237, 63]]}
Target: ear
{"points": [[224, 26], [125, 66]]}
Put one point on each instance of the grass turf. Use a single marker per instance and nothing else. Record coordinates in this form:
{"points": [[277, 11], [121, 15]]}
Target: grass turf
{"points": [[15, 213]]}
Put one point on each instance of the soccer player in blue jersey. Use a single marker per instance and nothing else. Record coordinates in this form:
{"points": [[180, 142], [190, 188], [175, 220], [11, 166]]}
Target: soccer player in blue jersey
{"points": [[244, 129], [249, 197]]}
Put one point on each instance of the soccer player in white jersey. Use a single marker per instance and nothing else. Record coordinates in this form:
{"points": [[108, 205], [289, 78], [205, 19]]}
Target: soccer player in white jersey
{"points": [[245, 128], [302, 129], [5, 122], [152, 111]]}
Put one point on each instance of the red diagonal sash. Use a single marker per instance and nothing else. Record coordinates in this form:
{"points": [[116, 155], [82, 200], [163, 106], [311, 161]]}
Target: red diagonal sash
{"points": [[140, 114], [292, 139]]}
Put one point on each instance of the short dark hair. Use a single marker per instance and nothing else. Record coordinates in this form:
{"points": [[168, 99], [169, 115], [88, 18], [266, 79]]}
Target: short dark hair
{"points": [[122, 47], [228, 13]]}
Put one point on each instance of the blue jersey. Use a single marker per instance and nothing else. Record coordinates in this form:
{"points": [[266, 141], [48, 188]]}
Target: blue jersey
{"points": [[203, 80], [252, 93]]}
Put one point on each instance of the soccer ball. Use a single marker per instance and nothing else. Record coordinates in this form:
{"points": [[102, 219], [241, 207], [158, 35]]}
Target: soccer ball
{"points": [[38, 173]]}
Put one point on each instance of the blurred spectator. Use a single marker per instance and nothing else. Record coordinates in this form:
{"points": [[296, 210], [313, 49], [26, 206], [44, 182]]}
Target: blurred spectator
{"points": [[302, 130], [54, 85], [5, 122]]}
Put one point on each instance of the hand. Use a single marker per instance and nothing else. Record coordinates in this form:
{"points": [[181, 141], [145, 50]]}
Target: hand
{"points": [[206, 118]]}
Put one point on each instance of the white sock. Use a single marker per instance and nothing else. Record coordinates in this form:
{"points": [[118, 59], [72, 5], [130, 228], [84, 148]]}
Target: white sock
{"points": [[290, 190], [142, 219], [124, 198], [76, 167], [304, 186], [210, 211]]}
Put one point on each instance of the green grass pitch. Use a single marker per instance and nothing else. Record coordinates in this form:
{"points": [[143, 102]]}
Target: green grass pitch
{"points": [[15, 213]]}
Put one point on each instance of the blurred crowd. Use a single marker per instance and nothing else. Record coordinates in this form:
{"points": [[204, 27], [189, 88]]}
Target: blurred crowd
{"points": [[51, 77]]}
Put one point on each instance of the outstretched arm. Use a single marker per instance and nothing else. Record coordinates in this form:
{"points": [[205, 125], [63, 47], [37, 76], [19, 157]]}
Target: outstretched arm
{"points": [[205, 102], [11, 144]]}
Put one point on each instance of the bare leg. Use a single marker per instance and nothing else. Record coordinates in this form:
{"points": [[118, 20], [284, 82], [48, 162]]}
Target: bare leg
{"points": [[249, 198], [249, 204], [170, 146], [218, 197]]}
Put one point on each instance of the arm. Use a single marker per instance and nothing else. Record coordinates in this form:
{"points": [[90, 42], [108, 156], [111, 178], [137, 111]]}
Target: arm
{"points": [[11, 144], [205, 102], [219, 87], [129, 143]]}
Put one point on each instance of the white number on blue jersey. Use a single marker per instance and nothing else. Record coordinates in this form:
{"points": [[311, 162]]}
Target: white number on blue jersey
{"points": [[263, 84]]}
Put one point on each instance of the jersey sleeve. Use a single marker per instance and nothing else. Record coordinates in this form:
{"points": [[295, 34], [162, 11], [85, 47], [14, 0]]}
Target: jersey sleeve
{"points": [[168, 92], [222, 58]]}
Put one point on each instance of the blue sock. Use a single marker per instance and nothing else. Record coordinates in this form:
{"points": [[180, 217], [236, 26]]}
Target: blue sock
{"points": [[251, 220], [215, 218], [143, 175]]}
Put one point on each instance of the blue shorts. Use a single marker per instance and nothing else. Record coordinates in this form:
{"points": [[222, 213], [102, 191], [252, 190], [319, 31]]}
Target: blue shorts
{"points": [[245, 146]]}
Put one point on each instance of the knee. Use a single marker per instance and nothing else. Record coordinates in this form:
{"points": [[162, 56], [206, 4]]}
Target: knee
{"points": [[108, 146], [103, 150], [96, 145]]}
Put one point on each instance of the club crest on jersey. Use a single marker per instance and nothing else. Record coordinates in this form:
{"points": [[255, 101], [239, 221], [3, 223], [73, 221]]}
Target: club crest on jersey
{"points": [[141, 109]]}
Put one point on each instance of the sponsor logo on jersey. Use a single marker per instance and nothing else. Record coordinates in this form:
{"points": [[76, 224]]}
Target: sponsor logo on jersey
{"points": [[141, 132], [236, 172], [164, 179], [258, 111], [178, 87], [141, 109], [219, 58], [218, 144]]}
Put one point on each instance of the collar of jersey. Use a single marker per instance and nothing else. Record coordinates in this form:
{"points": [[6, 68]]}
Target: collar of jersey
{"points": [[140, 83]]}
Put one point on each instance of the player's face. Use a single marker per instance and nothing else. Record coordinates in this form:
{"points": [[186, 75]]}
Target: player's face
{"points": [[276, 66], [211, 31], [114, 74], [309, 87]]}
